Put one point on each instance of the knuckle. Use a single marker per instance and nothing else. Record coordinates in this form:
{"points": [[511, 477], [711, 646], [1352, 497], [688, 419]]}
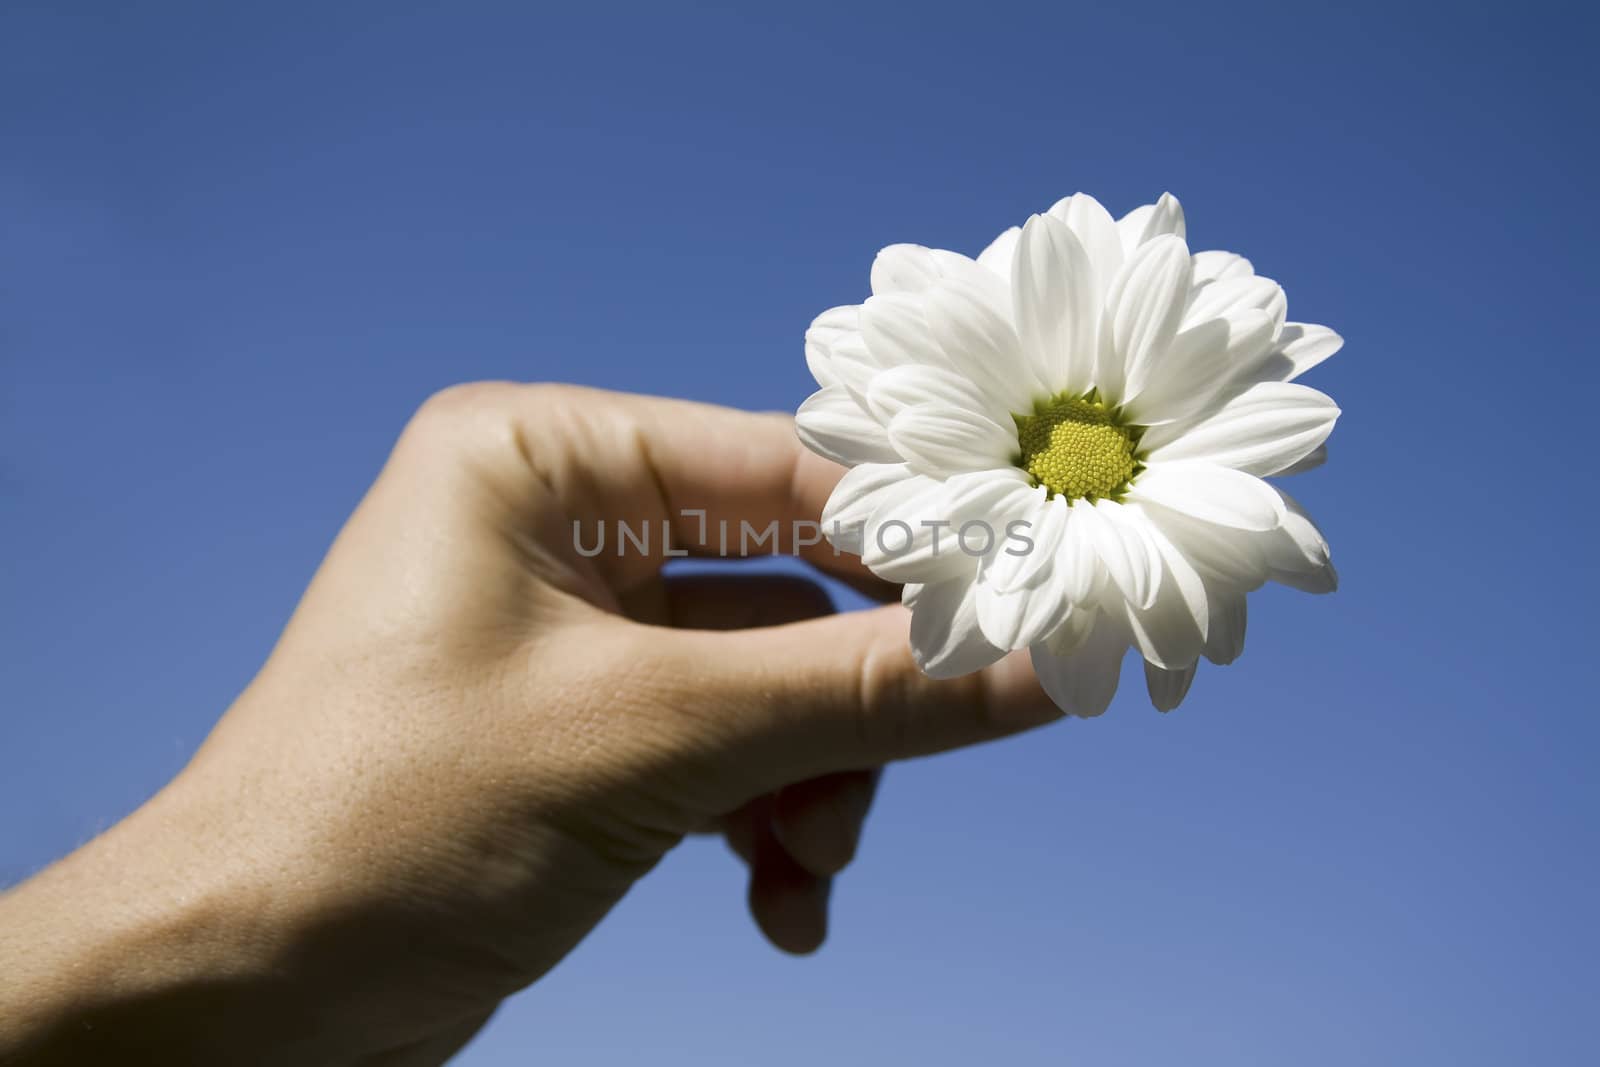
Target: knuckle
{"points": [[471, 402], [465, 399], [476, 416], [885, 721], [903, 713], [458, 411]]}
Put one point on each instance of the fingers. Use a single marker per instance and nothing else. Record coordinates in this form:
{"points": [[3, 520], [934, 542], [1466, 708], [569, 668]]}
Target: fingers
{"points": [[843, 693], [819, 820], [794, 842], [740, 466], [734, 602], [432, 1050], [726, 482], [788, 902]]}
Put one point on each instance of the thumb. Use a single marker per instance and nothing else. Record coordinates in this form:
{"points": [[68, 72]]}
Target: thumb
{"points": [[843, 692]]}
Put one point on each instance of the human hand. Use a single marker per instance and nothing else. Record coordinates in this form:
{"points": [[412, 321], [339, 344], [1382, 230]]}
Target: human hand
{"points": [[472, 739]]}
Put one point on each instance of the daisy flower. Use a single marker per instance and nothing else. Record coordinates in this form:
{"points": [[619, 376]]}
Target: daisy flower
{"points": [[1062, 445]]}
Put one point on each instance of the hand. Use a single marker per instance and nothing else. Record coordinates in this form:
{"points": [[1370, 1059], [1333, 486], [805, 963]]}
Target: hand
{"points": [[471, 740]]}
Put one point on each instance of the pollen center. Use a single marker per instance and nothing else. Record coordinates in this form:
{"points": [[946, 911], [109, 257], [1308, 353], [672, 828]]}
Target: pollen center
{"points": [[1075, 446]]}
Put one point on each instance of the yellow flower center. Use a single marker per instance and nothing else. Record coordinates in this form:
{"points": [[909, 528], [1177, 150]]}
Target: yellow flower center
{"points": [[1076, 446]]}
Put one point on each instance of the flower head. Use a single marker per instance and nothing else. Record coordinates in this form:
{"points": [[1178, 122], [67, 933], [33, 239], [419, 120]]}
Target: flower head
{"points": [[1062, 445]]}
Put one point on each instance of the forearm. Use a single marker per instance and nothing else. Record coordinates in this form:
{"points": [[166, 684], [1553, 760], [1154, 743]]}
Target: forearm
{"points": [[134, 948]]}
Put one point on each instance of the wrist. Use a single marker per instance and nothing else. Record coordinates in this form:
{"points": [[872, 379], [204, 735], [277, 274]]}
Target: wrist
{"points": [[132, 946]]}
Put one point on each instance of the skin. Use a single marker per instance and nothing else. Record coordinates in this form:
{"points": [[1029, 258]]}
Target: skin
{"points": [[471, 740]]}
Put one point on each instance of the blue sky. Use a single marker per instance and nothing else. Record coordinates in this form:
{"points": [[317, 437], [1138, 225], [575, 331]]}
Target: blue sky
{"points": [[238, 246]]}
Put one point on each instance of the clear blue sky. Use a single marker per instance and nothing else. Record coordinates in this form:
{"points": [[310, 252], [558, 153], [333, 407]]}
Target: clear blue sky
{"points": [[239, 244]]}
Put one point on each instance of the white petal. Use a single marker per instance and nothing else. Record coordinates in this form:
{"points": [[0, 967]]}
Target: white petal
{"points": [[1215, 266], [1179, 574], [1312, 546], [1018, 565], [1096, 231], [1124, 552], [1300, 347], [942, 441], [824, 330], [832, 424], [833, 322], [1083, 681], [913, 540], [1077, 563], [1200, 359], [945, 639], [1309, 462], [1143, 309], [860, 493], [904, 268], [1264, 429], [978, 341], [1225, 638], [1298, 555], [1130, 227], [1227, 557], [985, 284], [1168, 688], [853, 363], [898, 388], [970, 328], [1167, 218], [1057, 305], [1323, 580], [1021, 617], [1150, 221], [1226, 297], [997, 257], [997, 496], [896, 332], [915, 269], [1205, 491], [1074, 631], [1172, 630], [925, 542]]}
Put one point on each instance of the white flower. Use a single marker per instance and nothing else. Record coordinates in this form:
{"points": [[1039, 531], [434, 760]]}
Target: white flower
{"points": [[1091, 378]]}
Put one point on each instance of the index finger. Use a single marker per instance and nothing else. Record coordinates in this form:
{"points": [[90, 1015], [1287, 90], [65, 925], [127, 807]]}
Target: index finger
{"points": [[724, 482]]}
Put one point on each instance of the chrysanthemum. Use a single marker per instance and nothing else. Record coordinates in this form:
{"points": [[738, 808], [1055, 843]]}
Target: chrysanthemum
{"points": [[1118, 397]]}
